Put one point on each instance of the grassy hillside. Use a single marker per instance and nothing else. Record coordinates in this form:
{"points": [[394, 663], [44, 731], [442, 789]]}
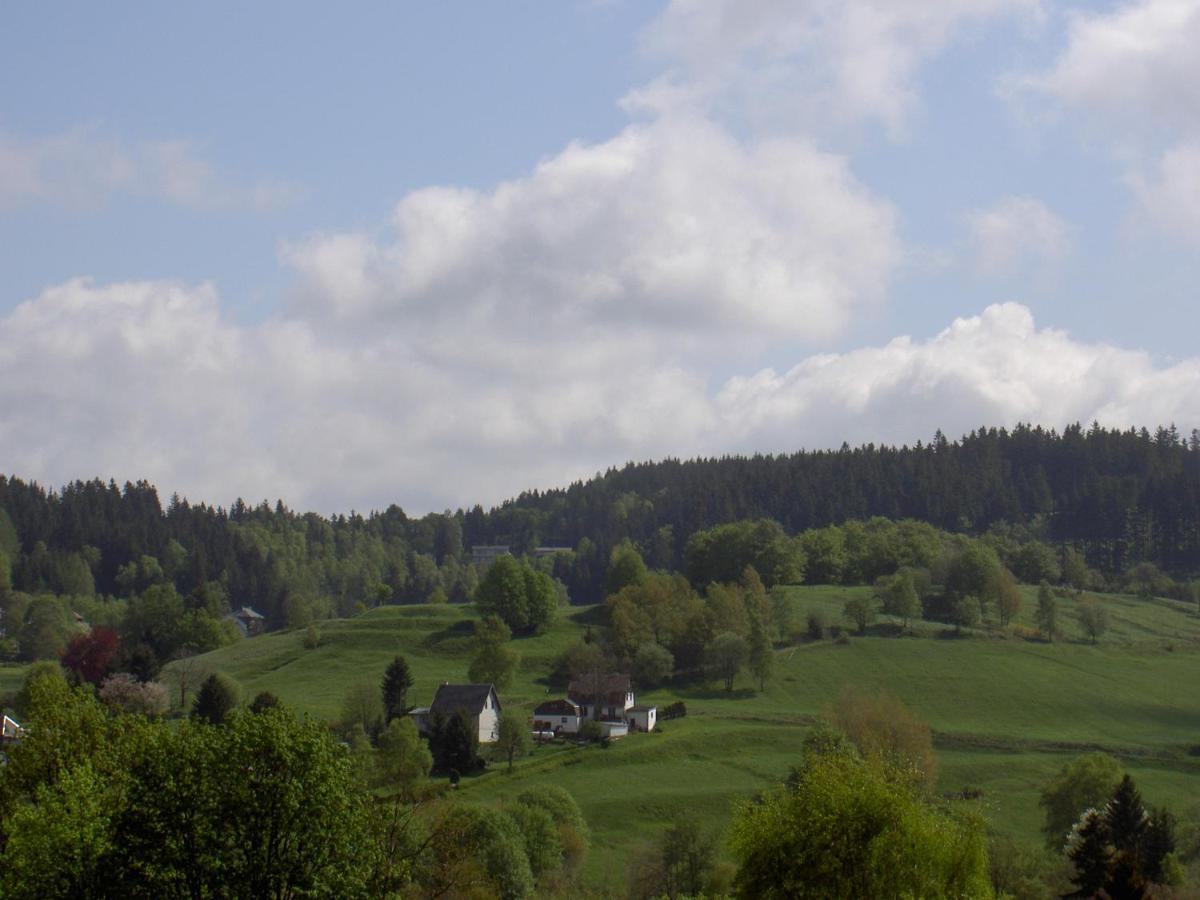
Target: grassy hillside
{"points": [[1006, 712]]}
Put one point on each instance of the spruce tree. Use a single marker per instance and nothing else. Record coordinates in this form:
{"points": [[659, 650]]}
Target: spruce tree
{"points": [[397, 679]]}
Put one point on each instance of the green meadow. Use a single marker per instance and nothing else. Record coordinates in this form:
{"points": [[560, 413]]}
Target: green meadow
{"points": [[1006, 711]]}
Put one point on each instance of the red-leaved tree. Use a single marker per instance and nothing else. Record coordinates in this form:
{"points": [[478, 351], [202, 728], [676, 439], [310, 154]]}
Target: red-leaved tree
{"points": [[88, 655]]}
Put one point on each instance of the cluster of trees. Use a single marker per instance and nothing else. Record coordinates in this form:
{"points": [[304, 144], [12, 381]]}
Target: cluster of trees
{"points": [[661, 627], [99, 801]]}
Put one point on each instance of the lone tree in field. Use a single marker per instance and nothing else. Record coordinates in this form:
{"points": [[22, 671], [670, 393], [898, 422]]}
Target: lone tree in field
{"points": [[397, 679], [1093, 618], [761, 653], [898, 597], [859, 611], [1047, 612], [512, 739]]}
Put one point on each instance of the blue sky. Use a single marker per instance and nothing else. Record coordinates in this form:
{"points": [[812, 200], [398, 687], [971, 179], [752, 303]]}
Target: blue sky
{"points": [[435, 254]]}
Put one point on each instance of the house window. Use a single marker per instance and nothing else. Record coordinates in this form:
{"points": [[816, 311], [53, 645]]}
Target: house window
{"points": [[564, 718]]}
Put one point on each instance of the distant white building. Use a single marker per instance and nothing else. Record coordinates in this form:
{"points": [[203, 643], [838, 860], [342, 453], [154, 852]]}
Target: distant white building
{"points": [[607, 698], [478, 701], [10, 730]]}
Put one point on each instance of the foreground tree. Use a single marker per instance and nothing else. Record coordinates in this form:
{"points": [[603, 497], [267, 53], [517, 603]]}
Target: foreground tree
{"points": [[845, 827], [403, 759], [887, 732]]}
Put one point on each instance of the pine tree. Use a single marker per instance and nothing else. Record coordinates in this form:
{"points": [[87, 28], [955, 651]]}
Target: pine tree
{"points": [[397, 679], [1089, 851]]}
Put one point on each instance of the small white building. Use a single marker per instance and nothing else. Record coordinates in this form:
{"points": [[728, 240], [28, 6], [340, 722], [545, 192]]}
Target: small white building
{"points": [[478, 701], [10, 730], [557, 717], [641, 718]]}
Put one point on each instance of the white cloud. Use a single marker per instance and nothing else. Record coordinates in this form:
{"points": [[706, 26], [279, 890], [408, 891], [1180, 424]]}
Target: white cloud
{"points": [[1169, 195], [672, 228], [1016, 233], [1137, 62], [83, 169], [832, 61], [149, 380]]}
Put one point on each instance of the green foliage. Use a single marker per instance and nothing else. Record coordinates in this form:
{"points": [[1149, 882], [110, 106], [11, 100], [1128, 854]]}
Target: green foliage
{"points": [[362, 707], [454, 743], [678, 864], [1047, 612], [512, 739], [523, 597], [726, 655], [884, 730], [477, 852], [217, 698], [652, 665], [403, 759], [843, 828], [761, 656], [494, 661], [397, 680], [1093, 618], [1122, 850], [312, 637], [625, 567], [263, 701], [722, 553], [540, 838], [1087, 781], [898, 597], [860, 612]]}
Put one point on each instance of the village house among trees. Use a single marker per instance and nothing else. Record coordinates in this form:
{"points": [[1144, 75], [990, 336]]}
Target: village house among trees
{"points": [[606, 699], [478, 701]]}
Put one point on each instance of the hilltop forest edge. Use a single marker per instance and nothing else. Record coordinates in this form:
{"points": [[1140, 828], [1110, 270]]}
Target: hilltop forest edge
{"points": [[944, 531], [1092, 509]]}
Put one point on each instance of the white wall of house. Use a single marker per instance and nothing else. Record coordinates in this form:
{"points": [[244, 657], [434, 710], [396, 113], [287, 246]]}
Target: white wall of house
{"points": [[642, 719], [489, 722]]}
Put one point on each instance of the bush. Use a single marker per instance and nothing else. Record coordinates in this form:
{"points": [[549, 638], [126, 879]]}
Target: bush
{"points": [[591, 731], [676, 710], [217, 698], [312, 637], [815, 623]]}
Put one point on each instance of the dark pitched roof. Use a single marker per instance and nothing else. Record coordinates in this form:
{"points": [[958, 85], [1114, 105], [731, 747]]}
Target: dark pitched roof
{"points": [[557, 708], [451, 697], [611, 684]]}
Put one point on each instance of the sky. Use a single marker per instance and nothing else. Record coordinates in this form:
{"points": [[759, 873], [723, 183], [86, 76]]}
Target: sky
{"points": [[436, 254]]}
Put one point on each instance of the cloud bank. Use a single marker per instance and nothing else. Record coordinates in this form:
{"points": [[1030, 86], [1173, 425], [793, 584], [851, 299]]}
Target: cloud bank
{"points": [[149, 380]]}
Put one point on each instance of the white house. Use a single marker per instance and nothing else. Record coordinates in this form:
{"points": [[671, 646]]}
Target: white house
{"points": [[557, 717], [605, 697], [478, 701]]}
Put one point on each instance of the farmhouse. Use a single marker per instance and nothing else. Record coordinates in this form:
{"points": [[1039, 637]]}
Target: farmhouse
{"points": [[602, 696], [249, 621], [478, 701], [606, 698]]}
